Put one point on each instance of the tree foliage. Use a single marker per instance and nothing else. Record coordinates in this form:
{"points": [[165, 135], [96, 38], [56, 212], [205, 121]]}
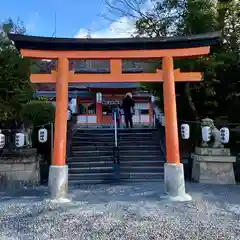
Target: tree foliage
{"points": [[16, 88], [10, 27], [221, 70], [38, 113]]}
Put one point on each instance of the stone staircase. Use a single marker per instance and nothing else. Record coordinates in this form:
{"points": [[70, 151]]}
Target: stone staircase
{"points": [[141, 158], [91, 159]]}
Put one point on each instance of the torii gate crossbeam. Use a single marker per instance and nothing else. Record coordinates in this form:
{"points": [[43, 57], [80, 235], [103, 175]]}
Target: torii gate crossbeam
{"points": [[116, 50]]}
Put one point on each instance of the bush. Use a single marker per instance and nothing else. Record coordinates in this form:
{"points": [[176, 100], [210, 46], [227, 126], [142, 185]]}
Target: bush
{"points": [[38, 113]]}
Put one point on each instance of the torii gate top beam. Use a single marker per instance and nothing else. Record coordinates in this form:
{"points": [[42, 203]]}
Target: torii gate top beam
{"points": [[119, 48], [115, 50]]}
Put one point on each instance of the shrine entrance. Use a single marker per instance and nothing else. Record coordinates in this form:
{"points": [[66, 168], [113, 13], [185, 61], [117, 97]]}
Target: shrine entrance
{"points": [[116, 50]]}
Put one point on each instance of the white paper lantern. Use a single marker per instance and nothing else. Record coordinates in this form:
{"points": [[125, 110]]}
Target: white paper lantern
{"points": [[206, 134], [185, 131], [2, 140], [99, 97], [225, 134], [42, 135], [19, 139]]}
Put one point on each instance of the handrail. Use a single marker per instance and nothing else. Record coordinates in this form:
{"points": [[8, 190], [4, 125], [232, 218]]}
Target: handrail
{"points": [[115, 149], [115, 129], [154, 119], [159, 117]]}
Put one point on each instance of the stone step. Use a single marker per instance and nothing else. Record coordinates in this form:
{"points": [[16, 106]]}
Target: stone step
{"points": [[93, 138], [109, 134], [110, 176], [90, 164], [144, 133], [76, 183], [141, 169], [90, 158], [142, 175], [120, 139], [135, 152], [135, 129], [137, 147], [143, 180], [123, 169], [76, 148], [89, 182], [138, 139], [96, 133], [93, 131], [138, 143], [91, 176], [110, 158], [123, 147], [137, 135], [139, 151], [141, 158], [109, 164], [121, 144], [93, 143], [95, 153], [88, 170], [121, 130]]}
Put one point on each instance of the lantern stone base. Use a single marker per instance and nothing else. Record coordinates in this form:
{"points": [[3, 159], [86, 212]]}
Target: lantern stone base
{"points": [[175, 183], [58, 181], [213, 165]]}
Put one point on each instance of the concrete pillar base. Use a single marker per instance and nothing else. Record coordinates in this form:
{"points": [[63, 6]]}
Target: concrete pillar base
{"points": [[175, 183], [58, 182]]}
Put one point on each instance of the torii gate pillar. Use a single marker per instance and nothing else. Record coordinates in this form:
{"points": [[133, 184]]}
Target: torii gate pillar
{"points": [[58, 173], [173, 169]]}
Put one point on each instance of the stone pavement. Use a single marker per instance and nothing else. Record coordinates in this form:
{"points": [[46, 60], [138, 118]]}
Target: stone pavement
{"points": [[127, 211]]}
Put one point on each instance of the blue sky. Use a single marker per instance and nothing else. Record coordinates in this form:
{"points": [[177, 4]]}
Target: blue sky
{"points": [[74, 17]]}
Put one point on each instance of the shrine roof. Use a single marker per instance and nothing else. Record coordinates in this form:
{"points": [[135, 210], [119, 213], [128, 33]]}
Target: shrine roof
{"points": [[50, 43], [114, 85]]}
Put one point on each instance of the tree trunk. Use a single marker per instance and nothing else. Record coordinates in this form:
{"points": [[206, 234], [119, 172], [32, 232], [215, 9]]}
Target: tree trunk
{"points": [[190, 101]]}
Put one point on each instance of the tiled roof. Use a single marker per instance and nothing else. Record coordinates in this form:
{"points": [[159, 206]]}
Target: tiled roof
{"points": [[108, 85], [51, 87]]}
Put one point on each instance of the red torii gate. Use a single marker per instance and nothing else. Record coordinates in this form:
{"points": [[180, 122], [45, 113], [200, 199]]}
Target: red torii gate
{"points": [[115, 50]]}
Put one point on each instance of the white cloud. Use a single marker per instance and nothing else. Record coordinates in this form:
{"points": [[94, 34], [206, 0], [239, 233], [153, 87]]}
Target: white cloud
{"points": [[121, 28], [30, 26]]}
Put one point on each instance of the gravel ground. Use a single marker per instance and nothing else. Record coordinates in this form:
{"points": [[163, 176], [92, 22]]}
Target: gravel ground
{"points": [[131, 211]]}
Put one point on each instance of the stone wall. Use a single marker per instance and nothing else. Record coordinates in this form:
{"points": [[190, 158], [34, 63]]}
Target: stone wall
{"points": [[19, 169]]}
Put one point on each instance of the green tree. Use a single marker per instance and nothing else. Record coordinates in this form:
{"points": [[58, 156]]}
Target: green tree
{"points": [[221, 69], [36, 113], [16, 88], [172, 18], [10, 27]]}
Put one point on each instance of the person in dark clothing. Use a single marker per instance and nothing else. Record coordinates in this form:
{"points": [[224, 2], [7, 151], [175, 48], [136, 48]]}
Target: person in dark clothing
{"points": [[128, 107]]}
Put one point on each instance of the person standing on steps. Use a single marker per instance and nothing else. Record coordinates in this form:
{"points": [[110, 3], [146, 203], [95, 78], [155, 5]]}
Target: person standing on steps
{"points": [[128, 109]]}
